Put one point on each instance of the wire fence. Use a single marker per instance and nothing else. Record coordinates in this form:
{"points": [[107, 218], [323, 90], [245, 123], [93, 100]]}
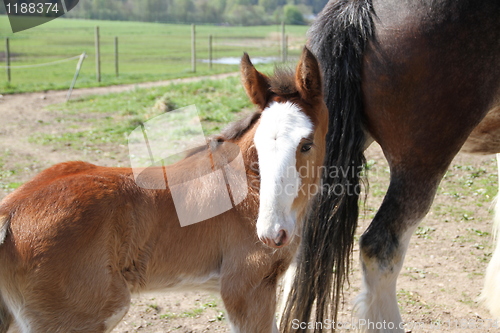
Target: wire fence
{"points": [[44, 64], [45, 58]]}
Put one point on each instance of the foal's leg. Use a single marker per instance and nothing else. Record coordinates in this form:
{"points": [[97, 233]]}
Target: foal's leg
{"points": [[491, 290], [86, 308], [285, 287], [250, 305], [383, 246]]}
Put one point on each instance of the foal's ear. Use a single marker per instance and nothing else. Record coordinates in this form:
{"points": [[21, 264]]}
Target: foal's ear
{"points": [[256, 84], [308, 76]]}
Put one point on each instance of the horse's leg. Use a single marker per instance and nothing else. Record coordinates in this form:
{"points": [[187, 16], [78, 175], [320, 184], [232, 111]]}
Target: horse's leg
{"points": [[94, 303], [491, 290], [250, 304], [383, 246], [71, 321], [420, 104], [285, 288], [251, 310]]}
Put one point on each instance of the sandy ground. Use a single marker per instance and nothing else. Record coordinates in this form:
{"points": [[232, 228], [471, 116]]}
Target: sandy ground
{"points": [[439, 283]]}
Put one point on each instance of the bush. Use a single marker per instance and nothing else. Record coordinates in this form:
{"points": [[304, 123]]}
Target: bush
{"points": [[247, 15], [293, 15]]}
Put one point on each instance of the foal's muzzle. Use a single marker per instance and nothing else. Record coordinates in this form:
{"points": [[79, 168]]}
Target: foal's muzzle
{"points": [[281, 239]]}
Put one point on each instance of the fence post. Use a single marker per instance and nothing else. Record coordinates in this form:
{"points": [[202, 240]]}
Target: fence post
{"points": [[283, 42], [210, 40], [286, 49], [97, 55], [78, 67], [193, 48], [7, 58], [116, 56]]}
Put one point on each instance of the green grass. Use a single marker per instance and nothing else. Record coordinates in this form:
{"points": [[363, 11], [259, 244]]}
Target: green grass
{"points": [[6, 174], [469, 179], [147, 51], [93, 121], [155, 307], [195, 312], [424, 232], [406, 298], [186, 314]]}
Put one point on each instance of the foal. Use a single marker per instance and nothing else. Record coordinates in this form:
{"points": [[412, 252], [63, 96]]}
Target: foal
{"points": [[79, 239]]}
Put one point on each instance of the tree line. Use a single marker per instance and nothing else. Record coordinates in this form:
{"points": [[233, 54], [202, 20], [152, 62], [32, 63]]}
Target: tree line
{"points": [[231, 12]]}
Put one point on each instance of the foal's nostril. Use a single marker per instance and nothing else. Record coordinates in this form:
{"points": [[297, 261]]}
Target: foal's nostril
{"points": [[281, 239]]}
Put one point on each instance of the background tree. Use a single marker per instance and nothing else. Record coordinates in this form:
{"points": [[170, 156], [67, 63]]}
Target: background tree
{"points": [[292, 15], [237, 12]]}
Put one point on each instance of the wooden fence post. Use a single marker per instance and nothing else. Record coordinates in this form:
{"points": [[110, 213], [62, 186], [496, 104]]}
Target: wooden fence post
{"points": [[116, 56], [78, 67], [97, 55], [193, 48], [210, 40], [283, 42], [7, 58], [285, 52]]}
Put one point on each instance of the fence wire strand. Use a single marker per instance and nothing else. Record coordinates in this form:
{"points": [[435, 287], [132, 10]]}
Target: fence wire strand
{"points": [[44, 64]]}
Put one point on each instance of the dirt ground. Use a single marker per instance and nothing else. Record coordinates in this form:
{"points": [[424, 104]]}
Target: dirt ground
{"points": [[439, 283]]}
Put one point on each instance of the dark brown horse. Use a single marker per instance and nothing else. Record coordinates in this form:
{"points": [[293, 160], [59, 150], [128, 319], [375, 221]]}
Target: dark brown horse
{"points": [[421, 78]]}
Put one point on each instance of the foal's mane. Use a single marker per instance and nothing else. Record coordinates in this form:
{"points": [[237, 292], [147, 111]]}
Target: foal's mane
{"points": [[233, 131], [283, 82], [236, 129]]}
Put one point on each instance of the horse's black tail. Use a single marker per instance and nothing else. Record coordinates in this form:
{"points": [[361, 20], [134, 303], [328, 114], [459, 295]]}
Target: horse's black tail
{"points": [[338, 38]]}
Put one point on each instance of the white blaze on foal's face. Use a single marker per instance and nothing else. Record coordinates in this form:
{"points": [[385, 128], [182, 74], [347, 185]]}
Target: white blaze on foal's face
{"points": [[282, 128]]}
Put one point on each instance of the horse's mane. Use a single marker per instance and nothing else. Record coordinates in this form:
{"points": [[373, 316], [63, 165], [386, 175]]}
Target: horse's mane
{"points": [[236, 129], [283, 81], [233, 131]]}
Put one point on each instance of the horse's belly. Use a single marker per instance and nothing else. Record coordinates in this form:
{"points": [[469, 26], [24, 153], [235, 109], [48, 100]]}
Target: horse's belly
{"points": [[209, 282]]}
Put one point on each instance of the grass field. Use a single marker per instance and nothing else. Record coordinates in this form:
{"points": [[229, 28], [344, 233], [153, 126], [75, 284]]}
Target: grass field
{"points": [[147, 51], [94, 121]]}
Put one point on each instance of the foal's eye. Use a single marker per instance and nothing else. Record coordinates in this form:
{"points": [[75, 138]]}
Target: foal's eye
{"points": [[306, 147]]}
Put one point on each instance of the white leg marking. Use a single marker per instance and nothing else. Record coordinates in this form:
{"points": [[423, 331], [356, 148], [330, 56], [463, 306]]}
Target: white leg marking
{"points": [[285, 287], [377, 306], [112, 321], [275, 326], [233, 328], [491, 290]]}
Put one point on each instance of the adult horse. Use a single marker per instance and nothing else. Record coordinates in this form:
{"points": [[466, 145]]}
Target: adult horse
{"points": [[421, 78], [78, 239]]}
